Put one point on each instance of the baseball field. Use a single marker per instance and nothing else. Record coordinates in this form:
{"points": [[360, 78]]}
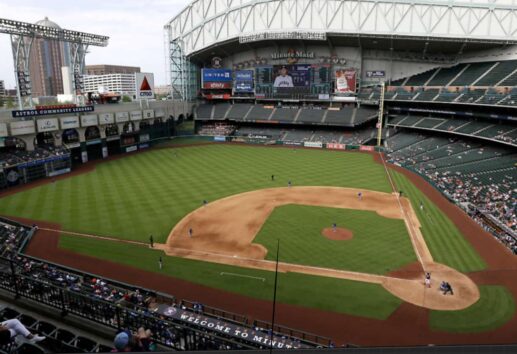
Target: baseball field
{"points": [[352, 254]]}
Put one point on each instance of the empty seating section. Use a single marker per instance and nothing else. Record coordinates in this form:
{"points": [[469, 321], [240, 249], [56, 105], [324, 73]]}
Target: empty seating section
{"points": [[311, 115], [498, 73], [403, 95], [204, 111], [470, 96], [403, 140], [476, 128], [397, 82], [447, 96], [429, 122], [491, 98], [220, 110], [238, 111], [410, 121], [510, 80], [495, 130], [471, 127], [420, 79], [473, 72], [341, 117], [285, 114], [485, 80], [451, 124], [445, 75], [364, 114], [484, 176], [427, 95], [258, 112], [365, 93]]}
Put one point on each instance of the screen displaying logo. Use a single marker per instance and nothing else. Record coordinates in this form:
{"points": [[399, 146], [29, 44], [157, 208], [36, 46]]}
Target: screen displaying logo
{"points": [[144, 85]]}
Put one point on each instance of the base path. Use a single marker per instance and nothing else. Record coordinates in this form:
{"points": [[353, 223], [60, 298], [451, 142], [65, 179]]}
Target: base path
{"points": [[223, 232]]}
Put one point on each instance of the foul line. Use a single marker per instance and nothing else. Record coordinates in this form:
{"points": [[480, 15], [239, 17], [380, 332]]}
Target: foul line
{"points": [[243, 276], [407, 218], [95, 236]]}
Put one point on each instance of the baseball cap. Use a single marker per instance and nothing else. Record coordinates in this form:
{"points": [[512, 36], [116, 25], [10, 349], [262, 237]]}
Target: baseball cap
{"points": [[121, 340]]}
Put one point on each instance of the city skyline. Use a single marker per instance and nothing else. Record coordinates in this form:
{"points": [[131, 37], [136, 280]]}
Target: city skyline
{"points": [[140, 43]]}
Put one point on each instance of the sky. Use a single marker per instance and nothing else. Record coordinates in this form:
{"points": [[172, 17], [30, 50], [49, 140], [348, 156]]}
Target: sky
{"points": [[135, 28]]}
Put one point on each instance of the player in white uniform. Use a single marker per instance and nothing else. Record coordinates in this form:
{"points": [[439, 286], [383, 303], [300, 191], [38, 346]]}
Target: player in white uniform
{"points": [[283, 80]]}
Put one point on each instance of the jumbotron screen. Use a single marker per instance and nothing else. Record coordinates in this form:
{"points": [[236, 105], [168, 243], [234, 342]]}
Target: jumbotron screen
{"points": [[281, 80]]}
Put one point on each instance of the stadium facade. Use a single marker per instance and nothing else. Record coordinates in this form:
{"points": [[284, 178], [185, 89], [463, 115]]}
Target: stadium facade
{"points": [[380, 40]]}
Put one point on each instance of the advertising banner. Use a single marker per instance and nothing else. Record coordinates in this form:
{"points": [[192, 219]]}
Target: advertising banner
{"points": [[50, 111], [148, 113], [243, 81], [89, 120], [366, 148], [69, 122], [3, 129], [121, 117], [219, 138], [135, 115], [345, 80], [216, 75], [336, 146], [217, 85], [375, 73], [144, 85], [22, 128], [106, 118], [313, 144], [47, 125]]}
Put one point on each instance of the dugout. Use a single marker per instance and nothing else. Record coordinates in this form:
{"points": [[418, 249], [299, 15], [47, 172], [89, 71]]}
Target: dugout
{"points": [[92, 137], [70, 138]]}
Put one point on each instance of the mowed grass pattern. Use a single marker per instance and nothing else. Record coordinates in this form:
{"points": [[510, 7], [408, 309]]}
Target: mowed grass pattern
{"points": [[494, 308], [329, 294], [379, 244], [149, 193], [445, 241]]}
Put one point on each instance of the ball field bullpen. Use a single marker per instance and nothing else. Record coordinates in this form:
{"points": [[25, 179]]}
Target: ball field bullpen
{"points": [[366, 280]]}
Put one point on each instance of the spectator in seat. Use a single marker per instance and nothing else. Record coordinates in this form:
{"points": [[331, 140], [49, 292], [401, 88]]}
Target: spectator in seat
{"points": [[11, 328]]}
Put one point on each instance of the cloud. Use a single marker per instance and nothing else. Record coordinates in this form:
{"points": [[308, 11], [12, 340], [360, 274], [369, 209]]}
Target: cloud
{"points": [[135, 29]]}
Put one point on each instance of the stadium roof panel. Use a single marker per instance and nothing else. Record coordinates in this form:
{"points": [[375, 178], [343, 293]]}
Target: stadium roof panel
{"points": [[207, 23]]}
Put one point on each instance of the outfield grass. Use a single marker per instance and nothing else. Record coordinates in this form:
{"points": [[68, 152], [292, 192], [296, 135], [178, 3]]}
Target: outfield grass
{"points": [[445, 241], [148, 193], [379, 244], [494, 308], [335, 295]]}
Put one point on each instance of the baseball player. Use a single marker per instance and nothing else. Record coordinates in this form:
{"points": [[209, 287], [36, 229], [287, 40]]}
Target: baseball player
{"points": [[360, 196], [427, 280], [289, 184], [334, 227], [160, 263], [190, 232], [272, 177], [151, 241]]}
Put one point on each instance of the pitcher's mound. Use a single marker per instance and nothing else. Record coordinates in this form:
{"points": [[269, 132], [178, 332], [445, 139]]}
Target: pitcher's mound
{"points": [[339, 234]]}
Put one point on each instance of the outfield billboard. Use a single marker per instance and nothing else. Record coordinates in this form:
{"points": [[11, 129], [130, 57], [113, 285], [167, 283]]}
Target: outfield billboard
{"points": [[345, 80], [144, 83], [47, 125], [243, 81]]}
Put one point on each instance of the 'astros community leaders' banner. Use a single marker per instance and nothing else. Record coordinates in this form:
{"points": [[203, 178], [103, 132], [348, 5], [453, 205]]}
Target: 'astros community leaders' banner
{"points": [[50, 111]]}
